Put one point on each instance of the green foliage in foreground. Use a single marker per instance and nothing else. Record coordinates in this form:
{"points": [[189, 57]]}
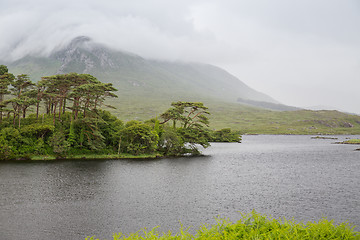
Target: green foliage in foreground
{"points": [[253, 226]]}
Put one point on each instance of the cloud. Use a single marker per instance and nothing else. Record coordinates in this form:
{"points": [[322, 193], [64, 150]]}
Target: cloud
{"points": [[277, 47], [44, 25]]}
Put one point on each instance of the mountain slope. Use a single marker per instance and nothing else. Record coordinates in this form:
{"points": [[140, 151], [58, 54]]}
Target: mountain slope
{"points": [[136, 76]]}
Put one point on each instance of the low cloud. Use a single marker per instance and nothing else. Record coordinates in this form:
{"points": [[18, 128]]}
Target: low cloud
{"points": [[277, 47]]}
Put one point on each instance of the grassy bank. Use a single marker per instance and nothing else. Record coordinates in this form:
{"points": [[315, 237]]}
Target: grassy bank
{"points": [[254, 226], [352, 141]]}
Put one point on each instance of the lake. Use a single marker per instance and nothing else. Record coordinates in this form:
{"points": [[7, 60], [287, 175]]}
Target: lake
{"points": [[281, 176]]}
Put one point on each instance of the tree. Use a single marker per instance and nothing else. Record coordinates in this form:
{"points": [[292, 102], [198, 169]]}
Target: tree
{"points": [[24, 96], [87, 127], [40, 93], [60, 85], [91, 95], [189, 114], [192, 117], [5, 80], [79, 91]]}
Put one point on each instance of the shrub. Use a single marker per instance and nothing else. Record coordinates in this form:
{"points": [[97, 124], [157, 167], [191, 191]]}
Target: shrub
{"points": [[6, 151], [37, 130], [59, 144], [137, 138], [225, 135], [170, 142]]}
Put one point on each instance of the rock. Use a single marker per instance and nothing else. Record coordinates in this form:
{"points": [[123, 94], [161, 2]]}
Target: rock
{"points": [[347, 125], [318, 137]]}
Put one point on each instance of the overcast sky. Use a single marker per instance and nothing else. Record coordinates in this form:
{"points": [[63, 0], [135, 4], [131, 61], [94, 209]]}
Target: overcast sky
{"points": [[300, 52]]}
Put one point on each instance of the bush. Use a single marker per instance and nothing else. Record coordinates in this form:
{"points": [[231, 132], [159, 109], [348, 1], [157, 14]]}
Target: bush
{"points": [[37, 130], [138, 138], [193, 137], [6, 151], [170, 143], [11, 136], [59, 144], [225, 135], [110, 128]]}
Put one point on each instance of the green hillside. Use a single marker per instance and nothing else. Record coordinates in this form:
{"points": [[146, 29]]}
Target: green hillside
{"points": [[252, 121], [248, 119]]}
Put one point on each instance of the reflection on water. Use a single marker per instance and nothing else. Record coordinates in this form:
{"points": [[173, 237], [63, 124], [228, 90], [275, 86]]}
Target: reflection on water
{"points": [[291, 176]]}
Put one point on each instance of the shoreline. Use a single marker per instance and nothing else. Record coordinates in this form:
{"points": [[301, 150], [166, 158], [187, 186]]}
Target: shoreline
{"points": [[91, 157], [154, 156]]}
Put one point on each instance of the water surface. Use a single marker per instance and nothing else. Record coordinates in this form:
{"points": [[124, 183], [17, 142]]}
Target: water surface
{"points": [[290, 176]]}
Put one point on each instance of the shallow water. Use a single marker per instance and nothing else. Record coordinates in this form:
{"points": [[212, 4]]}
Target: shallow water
{"points": [[282, 176]]}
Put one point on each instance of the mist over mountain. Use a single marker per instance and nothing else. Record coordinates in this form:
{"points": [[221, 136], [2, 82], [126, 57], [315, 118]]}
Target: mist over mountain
{"points": [[136, 76]]}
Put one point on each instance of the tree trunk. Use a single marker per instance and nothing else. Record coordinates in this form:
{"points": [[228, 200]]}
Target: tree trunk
{"points": [[119, 146], [1, 100], [54, 113], [18, 111], [60, 108], [37, 110], [85, 107], [75, 108], [14, 119], [64, 107], [19, 118]]}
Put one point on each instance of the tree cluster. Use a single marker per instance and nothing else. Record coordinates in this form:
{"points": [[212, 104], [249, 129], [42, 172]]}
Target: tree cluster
{"points": [[66, 119]]}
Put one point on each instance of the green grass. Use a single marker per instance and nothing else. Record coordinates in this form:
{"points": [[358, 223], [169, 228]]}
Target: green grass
{"points": [[253, 226], [259, 121]]}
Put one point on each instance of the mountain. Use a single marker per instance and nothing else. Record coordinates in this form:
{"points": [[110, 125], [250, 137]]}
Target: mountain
{"points": [[147, 88], [136, 76]]}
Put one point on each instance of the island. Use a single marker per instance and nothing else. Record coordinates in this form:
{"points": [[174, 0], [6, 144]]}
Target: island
{"points": [[68, 122]]}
